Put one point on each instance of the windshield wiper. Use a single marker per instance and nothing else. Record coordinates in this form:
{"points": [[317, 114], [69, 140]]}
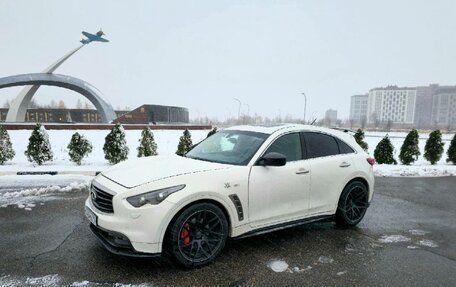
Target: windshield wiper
{"points": [[203, 159]]}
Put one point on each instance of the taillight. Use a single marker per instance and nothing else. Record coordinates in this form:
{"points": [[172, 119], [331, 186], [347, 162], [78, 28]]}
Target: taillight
{"points": [[371, 160]]}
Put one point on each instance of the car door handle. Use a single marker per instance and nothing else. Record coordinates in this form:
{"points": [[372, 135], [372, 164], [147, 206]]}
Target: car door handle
{"points": [[344, 164], [302, 171]]}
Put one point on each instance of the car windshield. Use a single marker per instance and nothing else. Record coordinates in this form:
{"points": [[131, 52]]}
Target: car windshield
{"points": [[230, 147]]}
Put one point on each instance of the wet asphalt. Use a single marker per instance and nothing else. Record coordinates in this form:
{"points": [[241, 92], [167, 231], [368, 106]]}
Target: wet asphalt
{"points": [[54, 238]]}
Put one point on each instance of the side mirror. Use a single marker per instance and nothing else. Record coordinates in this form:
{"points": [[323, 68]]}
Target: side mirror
{"points": [[273, 159]]}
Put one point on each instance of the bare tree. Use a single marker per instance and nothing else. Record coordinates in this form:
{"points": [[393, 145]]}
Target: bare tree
{"points": [[33, 104], [363, 122], [351, 121], [388, 126], [375, 119]]}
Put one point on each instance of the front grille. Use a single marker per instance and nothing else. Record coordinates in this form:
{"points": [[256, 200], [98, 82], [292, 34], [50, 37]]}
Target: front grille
{"points": [[101, 200]]}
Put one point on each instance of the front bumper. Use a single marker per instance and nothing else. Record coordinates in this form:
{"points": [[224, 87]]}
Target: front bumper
{"points": [[144, 228], [118, 243]]}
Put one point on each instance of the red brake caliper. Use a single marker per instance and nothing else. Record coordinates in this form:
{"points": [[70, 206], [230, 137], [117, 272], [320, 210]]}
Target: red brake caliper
{"points": [[185, 234]]}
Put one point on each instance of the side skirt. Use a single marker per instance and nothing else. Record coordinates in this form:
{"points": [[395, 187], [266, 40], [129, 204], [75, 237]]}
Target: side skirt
{"points": [[285, 225]]}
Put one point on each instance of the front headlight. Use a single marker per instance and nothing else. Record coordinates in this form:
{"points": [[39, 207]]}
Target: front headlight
{"points": [[153, 197]]}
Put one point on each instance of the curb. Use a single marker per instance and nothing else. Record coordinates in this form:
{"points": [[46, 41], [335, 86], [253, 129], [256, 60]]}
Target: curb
{"points": [[88, 173]]}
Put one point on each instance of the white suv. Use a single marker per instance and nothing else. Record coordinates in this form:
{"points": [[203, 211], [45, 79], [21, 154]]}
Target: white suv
{"points": [[241, 181]]}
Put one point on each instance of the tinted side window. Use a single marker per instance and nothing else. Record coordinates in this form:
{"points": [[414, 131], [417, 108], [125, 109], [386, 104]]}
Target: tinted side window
{"points": [[319, 145], [345, 148], [288, 145]]}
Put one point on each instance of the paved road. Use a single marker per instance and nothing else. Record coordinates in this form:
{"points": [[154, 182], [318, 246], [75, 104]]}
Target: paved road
{"points": [[53, 240]]}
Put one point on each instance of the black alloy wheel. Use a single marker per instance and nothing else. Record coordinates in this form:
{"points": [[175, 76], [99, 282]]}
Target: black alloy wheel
{"points": [[198, 235], [353, 204]]}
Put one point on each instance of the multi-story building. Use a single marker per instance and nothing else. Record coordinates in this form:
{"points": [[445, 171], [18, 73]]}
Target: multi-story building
{"points": [[392, 105], [154, 114], [331, 117], [358, 108], [444, 107], [52, 115], [421, 107], [145, 114]]}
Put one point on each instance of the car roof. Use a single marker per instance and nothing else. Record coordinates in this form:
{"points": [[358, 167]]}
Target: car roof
{"points": [[265, 129], [283, 128], [270, 129]]}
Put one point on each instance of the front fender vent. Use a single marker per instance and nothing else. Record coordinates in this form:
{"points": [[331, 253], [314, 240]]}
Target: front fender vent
{"points": [[237, 203]]}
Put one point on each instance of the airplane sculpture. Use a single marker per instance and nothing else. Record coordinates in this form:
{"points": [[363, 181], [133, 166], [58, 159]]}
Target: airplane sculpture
{"points": [[91, 37]]}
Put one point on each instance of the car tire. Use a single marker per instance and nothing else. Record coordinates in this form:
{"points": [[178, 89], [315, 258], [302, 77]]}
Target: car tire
{"points": [[197, 235], [353, 203]]}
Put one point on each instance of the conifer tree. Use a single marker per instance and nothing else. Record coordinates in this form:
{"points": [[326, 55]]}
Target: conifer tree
{"points": [[78, 148], [211, 132], [433, 149], [185, 143], [359, 137], [147, 145], [115, 147], [384, 152], [452, 151], [6, 148], [39, 149], [409, 149]]}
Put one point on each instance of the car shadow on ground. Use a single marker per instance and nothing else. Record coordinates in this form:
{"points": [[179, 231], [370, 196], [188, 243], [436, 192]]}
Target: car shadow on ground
{"points": [[306, 236]]}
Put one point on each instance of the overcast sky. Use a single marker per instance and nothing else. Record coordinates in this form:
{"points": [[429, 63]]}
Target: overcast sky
{"points": [[202, 54]]}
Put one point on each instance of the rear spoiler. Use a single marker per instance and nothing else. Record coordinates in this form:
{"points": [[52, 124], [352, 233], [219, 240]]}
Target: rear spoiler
{"points": [[348, 131]]}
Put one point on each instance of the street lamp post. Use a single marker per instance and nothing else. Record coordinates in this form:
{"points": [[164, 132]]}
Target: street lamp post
{"points": [[305, 105], [247, 119], [239, 108]]}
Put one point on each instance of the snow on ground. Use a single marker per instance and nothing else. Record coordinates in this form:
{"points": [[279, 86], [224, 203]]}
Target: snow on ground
{"points": [[428, 243], [325, 259], [27, 191], [388, 239], [13, 182], [167, 141], [278, 265], [418, 232], [417, 240], [425, 170], [55, 280], [394, 239]]}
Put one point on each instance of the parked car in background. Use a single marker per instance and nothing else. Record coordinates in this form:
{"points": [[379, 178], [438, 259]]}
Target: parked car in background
{"points": [[241, 181]]}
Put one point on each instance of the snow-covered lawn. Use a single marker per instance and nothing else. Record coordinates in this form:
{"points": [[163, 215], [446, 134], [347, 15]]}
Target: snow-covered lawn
{"points": [[167, 141], [421, 167]]}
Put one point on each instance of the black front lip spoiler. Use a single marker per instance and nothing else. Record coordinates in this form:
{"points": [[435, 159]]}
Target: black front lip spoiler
{"points": [[125, 249]]}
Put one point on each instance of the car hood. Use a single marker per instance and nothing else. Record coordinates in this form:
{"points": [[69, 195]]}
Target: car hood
{"points": [[144, 170]]}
